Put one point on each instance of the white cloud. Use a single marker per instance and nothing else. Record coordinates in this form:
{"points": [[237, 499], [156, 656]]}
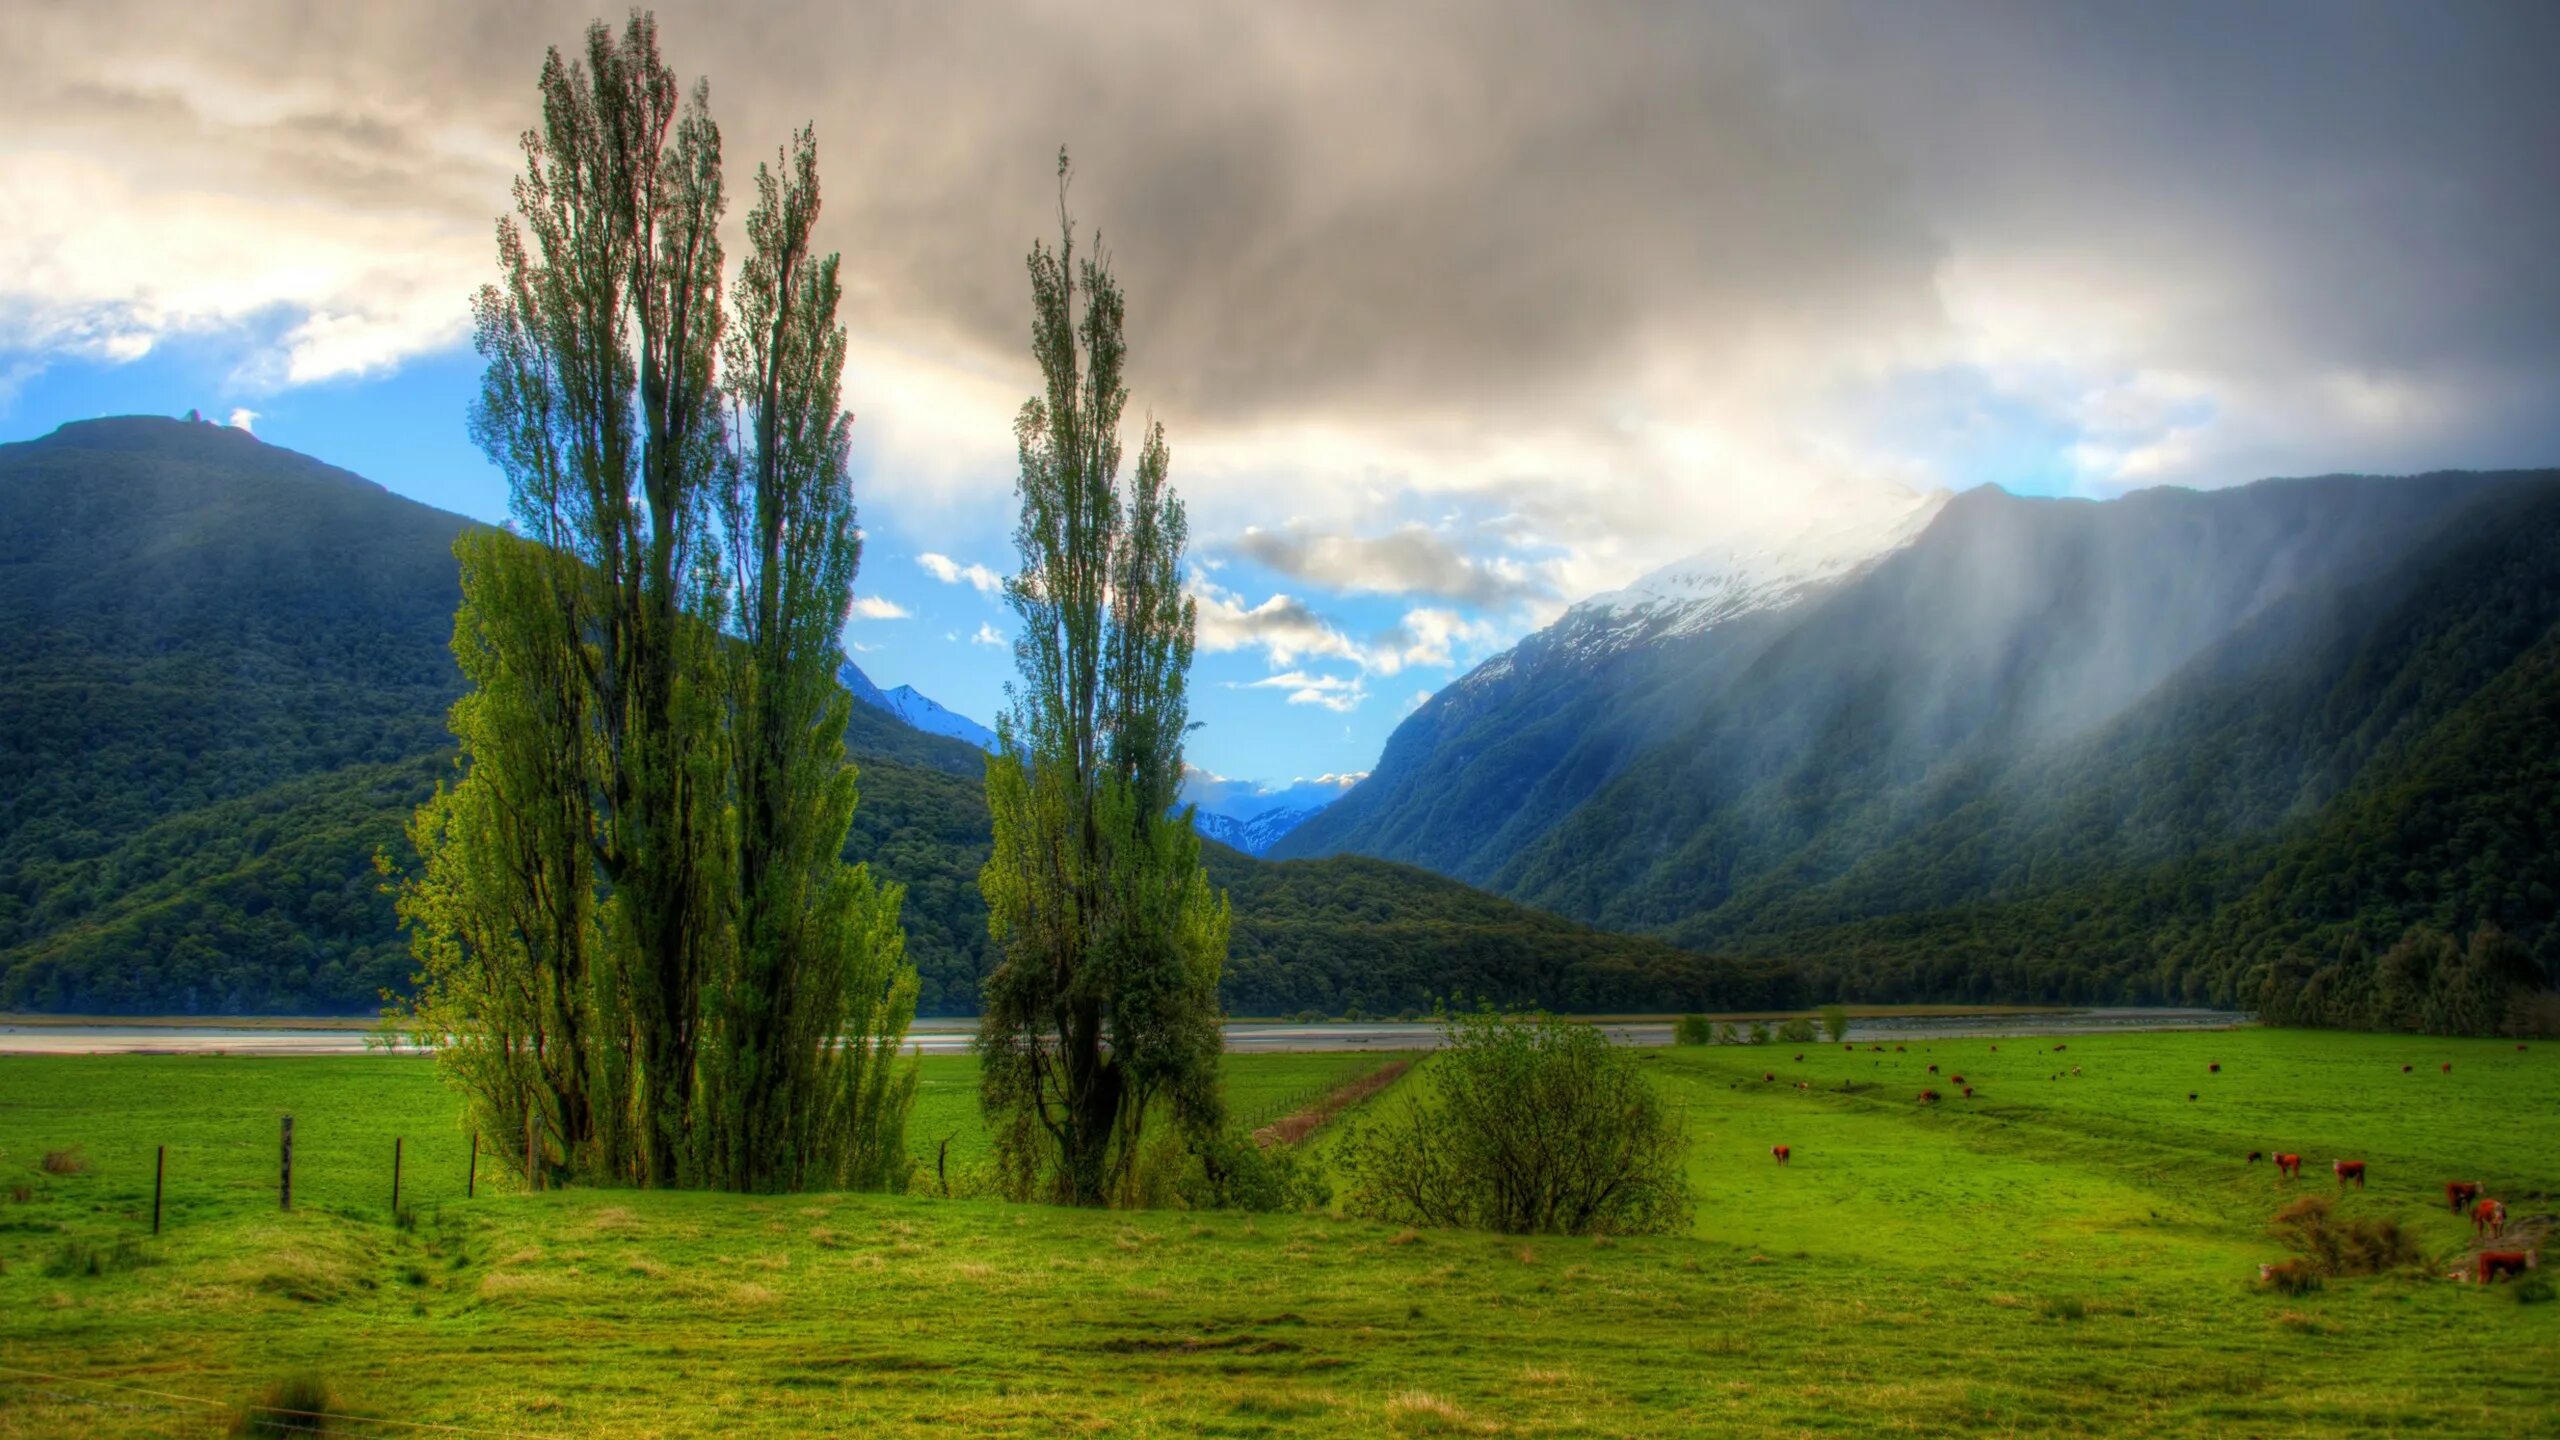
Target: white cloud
{"points": [[1338, 693], [987, 635], [873, 607], [244, 418], [952, 572]]}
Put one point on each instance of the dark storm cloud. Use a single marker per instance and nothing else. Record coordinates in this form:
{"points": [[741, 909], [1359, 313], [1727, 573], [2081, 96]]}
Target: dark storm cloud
{"points": [[1483, 218]]}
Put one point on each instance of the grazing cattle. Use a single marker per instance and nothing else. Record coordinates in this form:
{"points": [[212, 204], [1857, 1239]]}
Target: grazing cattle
{"points": [[2489, 1218], [2288, 1166], [1996, 1049], [2191, 1094], [2405, 1069], [1898, 1049], [1933, 1069], [2458, 1194], [2075, 1069], [1928, 1097], [1968, 1092], [1955, 1079], [2498, 1264], [2347, 1170], [2519, 1045], [2448, 1067], [1799, 1059], [1781, 1152], [2256, 1155], [1768, 1075], [2214, 1069], [2058, 1049]]}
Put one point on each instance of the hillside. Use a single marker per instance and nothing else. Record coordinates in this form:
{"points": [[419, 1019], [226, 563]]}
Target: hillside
{"points": [[2046, 749], [223, 675]]}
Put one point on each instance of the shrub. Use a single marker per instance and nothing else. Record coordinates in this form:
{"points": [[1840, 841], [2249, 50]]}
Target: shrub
{"points": [[2290, 1277], [2531, 1290], [1796, 1032], [64, 1162], [1835, 1023], [1693, 1030], [1228, 1171], [298, 1405], [1525, 1125], [1759, 1032], [2330, 1246], [1726, 1034]]}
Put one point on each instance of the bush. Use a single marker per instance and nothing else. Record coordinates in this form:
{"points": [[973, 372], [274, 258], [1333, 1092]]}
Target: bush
{"points": [[1759, 1032], [1525, 1125], [1796, 1032], [1693, 1030], [298, 1405], [2331, 1246], [1228, 1171], [63, 1162], [1835, 1023], [2531, 1290]]}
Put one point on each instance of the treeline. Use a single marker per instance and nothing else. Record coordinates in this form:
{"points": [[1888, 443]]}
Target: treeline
{"points": [[2427, 984]]}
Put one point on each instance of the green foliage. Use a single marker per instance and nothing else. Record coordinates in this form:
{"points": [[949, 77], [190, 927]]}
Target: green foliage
{"points": [[1103, 1007], [641, 948], [1835, 1023], [1226, 1170], [298, 1405], [1526, 1125], [1693, 1030], [1798, 1031]]}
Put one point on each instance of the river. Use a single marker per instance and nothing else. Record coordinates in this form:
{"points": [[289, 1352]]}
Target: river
{"points": [[31, 1036]]}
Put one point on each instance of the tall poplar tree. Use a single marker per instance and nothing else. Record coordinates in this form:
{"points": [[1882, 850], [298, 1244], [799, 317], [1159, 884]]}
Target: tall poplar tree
{"points": [[1103, 1008], [638, 935]]}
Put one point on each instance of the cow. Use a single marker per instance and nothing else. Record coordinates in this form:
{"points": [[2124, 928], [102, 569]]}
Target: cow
{"points": [[1933, 1069], [2075, 1069], [2213, 1069], [1799, 1059], [2489, 1218], [1898, 1049], [1781, 1152], [2519, 1045], [2257, 1155], [2058, 1049], [2191, 1094], [1928, 1097], [1996, 1049], [2498, 1264], [2288, 1166], [1769, 1076], [1968, 1092], [2405, 1069], [2448, 1067], [2458, 1194], [2347, 1170], [1955, 1079]]}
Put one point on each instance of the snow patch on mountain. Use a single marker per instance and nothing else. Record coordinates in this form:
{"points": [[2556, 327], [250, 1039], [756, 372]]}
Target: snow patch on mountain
{"points": [[1762, 569], [916, 708], [1252, 815]]}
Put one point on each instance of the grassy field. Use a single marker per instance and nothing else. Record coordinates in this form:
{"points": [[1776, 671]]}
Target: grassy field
{"points": [[2058, 1255]]}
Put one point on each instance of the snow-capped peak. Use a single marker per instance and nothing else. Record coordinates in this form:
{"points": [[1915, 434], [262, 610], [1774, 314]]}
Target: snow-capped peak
{"points": [[1762, 569]]}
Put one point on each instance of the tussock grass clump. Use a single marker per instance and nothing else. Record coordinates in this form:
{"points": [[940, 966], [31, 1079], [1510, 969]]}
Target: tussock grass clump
{"points": [[77, 1258], [297, 1406], [2331, 1246], [64, 1162]]}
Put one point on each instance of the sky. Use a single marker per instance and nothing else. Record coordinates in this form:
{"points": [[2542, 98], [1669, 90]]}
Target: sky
{"points": [[1455, 311]]}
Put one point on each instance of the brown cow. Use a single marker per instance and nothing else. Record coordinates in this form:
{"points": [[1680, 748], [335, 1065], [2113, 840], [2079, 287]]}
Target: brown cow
{"points": [[2405, 1069], [2347, 1170], [2458, 1194], [1968, 1092], [1769, 1075], [1928, 1097], [2498, 1264], [2191, 1094], [1781, 1152], [2489, 1218], [2448, 1067], [2213, 1069], [2257, 1155], [2288, 1166], [1955, 1079], [1933, 1069]]}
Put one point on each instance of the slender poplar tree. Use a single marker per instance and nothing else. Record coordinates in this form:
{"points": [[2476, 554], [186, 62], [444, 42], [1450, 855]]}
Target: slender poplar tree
{"points": [[638, 935], [1103, 1008]]}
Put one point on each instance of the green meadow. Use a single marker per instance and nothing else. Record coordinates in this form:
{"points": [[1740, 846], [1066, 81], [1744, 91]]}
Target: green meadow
{"points": [[2061, 1254]]}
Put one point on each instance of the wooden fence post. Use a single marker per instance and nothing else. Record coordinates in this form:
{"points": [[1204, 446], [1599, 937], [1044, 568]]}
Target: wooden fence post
{"points": [[471, 1182], [159, 1172], [284, 1183], [395, 1179], [529, 1173]]}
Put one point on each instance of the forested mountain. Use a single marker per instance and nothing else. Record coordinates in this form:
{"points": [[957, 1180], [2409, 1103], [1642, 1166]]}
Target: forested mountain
{"points": [[2143, 749], [223, 677]]}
